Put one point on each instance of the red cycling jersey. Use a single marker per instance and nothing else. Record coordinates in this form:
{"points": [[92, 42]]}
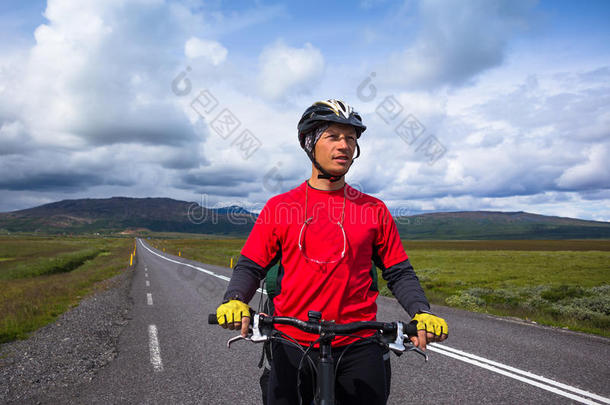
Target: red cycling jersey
{"points": [[315, 276]]}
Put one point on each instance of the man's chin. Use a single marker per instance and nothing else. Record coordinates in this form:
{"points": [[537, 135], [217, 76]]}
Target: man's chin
{"points": [[339, 173]]}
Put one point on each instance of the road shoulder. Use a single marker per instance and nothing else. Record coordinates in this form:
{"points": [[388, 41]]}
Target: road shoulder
{"points": [[70, 351]]}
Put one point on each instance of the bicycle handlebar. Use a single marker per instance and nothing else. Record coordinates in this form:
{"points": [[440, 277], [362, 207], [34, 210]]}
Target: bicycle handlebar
{"points": [[323, 327], [394, 334]]}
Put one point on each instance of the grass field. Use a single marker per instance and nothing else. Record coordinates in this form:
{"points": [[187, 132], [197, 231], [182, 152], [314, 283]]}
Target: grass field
{"points": [[42, 277], [559, 283]]}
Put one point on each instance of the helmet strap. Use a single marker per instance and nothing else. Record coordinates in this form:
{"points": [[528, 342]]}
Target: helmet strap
{"points": [[325, 175]]}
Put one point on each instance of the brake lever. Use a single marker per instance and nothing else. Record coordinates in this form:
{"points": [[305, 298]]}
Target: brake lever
{"points": [[236, 338], [254, 334], [413, 348], [399, 347]]}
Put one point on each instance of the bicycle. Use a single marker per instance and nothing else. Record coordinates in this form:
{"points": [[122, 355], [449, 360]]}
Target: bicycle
{"points": [[392, 334]]}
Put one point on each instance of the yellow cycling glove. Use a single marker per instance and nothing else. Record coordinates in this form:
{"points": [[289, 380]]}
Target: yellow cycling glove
{"points": [[232, 311], [431, 323]]}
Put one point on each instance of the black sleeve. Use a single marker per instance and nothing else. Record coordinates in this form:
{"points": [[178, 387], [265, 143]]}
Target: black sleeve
{"points": [[246, 278], [404, 284]]}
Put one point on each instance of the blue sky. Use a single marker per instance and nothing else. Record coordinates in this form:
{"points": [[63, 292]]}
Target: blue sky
{"points": [[490, 105]]}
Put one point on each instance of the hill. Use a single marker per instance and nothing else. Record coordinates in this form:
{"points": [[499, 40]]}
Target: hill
{"points": [[129, 215], [498, 225], [118, 214]]}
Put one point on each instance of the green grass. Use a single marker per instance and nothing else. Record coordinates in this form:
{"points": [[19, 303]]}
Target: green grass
{"points": [[211, 251], [61, 263], [564, 288], [36, 288], [564, 283]]}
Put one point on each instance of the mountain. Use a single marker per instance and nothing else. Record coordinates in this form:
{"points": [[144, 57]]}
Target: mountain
{"points": [[118, 214], [498, 225], [122, 214]]}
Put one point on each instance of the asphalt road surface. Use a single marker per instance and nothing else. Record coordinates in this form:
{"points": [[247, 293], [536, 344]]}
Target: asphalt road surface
{"points": [[169, 354]]}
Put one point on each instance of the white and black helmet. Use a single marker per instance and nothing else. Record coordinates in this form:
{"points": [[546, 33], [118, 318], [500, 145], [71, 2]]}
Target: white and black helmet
{"points": [[329, 111], [326, 112]]}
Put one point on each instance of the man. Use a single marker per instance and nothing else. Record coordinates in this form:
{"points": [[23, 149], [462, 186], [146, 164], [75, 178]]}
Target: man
{"points": [[324, 235]]}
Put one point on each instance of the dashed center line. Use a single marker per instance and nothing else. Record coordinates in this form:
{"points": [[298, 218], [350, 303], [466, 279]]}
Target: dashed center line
{"points": [[155, 351], [147, 283], [149, 298]]}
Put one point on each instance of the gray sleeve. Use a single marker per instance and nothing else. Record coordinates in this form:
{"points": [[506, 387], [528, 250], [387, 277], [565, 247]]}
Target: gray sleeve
{"points": [[405, 286], [246, 278]]}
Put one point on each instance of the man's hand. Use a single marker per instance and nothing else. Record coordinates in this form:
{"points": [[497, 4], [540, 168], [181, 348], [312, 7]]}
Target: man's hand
{"points": [[234, 315], [430, 328]]}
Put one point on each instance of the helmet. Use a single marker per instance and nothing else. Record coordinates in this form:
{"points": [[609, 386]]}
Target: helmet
{"points": [[329, 111]]}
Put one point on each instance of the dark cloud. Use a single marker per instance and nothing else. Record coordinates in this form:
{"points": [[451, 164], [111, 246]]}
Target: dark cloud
{"points": [[227, 176], [58, 181]]}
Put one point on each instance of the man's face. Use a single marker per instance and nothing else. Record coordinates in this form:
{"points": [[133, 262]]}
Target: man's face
{"points": [[335, 148]]}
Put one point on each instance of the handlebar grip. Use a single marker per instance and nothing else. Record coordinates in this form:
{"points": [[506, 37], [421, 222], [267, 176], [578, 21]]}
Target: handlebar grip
{"points": [[212, 320], [410, 329]]}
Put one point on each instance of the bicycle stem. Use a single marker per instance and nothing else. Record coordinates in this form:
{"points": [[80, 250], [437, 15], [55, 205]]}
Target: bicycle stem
{"points": [[325, 391]]}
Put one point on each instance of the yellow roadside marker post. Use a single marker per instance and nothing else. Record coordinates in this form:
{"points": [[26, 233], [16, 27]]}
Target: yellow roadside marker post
{"points": [[130, 260], [180, 253], [231, 261]]}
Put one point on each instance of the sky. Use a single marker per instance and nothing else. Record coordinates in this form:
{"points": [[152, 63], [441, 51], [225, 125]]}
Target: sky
{"points": [[469, 105]]}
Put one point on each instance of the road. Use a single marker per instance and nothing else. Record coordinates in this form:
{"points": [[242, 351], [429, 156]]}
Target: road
{"points": [[169, 354]]}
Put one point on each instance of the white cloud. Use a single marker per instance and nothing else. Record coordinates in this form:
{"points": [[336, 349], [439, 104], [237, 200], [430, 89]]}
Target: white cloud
{"points": [[203, 48], [592, 174], [283, 68], [456, 41]]}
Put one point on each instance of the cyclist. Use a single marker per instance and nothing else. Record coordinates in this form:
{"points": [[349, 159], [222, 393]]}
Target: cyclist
{"points": [[324, 235]]}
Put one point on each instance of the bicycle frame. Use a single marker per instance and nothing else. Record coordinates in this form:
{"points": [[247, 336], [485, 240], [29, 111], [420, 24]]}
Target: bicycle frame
{"points": [[325, 390]]}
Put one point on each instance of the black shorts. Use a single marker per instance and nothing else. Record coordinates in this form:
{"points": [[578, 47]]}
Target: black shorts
{"points": [[363, 375]]}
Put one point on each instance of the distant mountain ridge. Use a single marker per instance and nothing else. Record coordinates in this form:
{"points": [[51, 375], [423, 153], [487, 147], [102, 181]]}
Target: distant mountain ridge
{"points": [[498, 225], [120, 214], [117, 214]]}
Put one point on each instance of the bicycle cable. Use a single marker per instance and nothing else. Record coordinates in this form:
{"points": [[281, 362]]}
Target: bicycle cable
{"points": [[288, 340], [349, 346], [314, 374]]}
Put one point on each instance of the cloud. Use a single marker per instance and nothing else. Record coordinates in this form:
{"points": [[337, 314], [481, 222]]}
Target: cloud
{"points": [[456, 41], [92, 98], [592, 174], [89, 103], [98, 75], [284, 69], [13, 138], [57, 171], [519, 137], [213, 51]]}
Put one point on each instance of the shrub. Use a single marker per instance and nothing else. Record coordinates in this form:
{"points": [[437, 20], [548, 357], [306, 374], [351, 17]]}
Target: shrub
{"points": [[465, 300], [555, 294]]}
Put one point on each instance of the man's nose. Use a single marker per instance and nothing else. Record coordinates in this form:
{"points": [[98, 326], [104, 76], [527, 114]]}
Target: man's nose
{"points": [[343, 143]]}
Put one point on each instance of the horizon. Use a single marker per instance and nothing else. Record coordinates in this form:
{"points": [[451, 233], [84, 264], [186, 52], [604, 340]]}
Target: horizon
{"points": [[400, 214], [469, 105]]}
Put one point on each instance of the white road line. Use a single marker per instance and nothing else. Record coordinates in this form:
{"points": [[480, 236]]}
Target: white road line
{"points": [[521, 375], [155, 351], [147, 283], [208, 272], [544, 383], [149, 298]]}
